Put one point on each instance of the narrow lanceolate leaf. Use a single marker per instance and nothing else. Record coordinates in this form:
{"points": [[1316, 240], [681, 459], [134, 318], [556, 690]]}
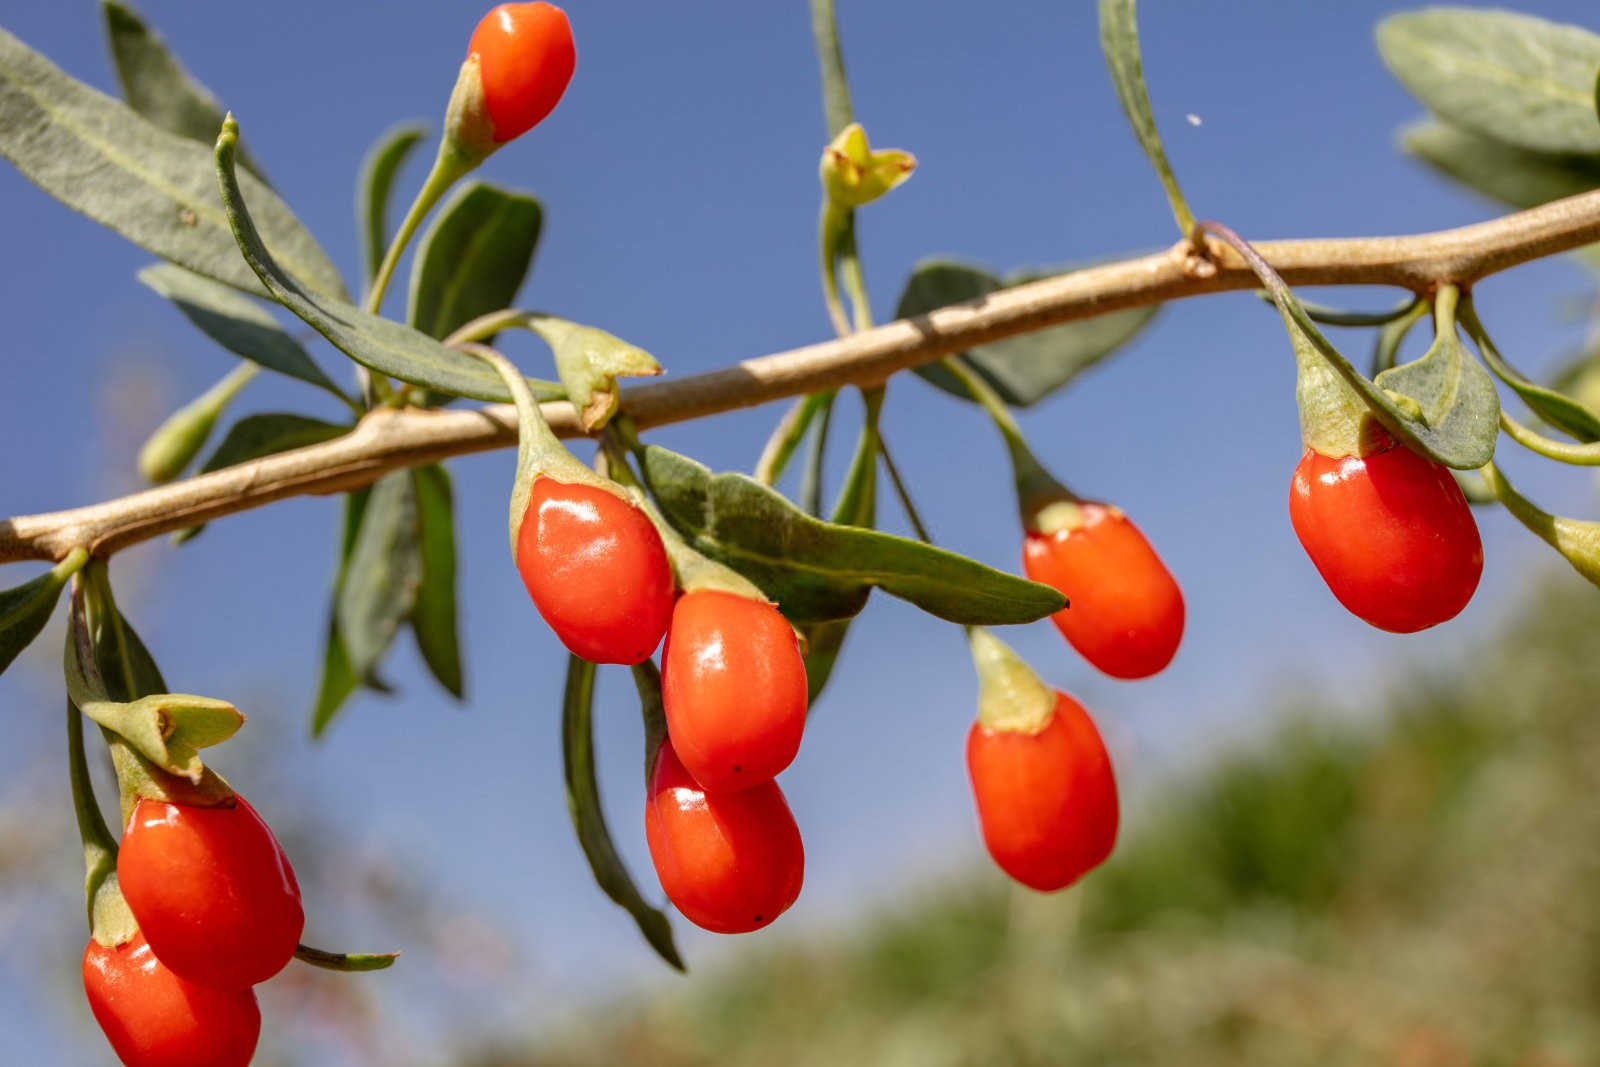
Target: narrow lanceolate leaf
{"points": [[1518, 79], [583, 802], [25, 610], [1119, 40], [1512, 176], [818, 570], [434, 616], [385, 570], [1563, 412], [338, 679], [1023, 369], [473, 257], [347, 962], [126, 666], [381, 344], [155, 84], [374, 186], [266, 434], [237, 323], [100, 157]]}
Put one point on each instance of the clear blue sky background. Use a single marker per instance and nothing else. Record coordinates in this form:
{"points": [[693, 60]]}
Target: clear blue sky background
{"points": [[679, 182]]}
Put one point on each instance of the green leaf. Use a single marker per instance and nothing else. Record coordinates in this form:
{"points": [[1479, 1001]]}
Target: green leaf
{"points": [[380, 344], [433, 618], [384, 572], [125, 664], [588, 819], [473, 257], [1512, 176], [347, 962], [100, 157], [1459, 403], [1023, 369], [1561, 411], [1516, 78], [266, 434], [1119, 40], [25, 610], [817, 570], [376, 183], [338, 679], [237, 323], [155, 84]]}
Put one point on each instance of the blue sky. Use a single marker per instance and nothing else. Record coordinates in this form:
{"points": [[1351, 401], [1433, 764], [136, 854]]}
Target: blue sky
{"points": [[679, 182]]}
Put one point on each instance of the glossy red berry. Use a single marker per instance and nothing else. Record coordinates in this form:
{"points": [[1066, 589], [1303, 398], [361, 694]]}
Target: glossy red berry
{"points": [[1391, 534], [525, 59], [596, 570], [153, 1018], [1047, 800], [730, 862], [1126, 612], [212, 891], [734, 685]]}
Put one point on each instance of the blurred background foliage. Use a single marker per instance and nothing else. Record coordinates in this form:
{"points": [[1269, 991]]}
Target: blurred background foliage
{"points": [[1418, 891]]}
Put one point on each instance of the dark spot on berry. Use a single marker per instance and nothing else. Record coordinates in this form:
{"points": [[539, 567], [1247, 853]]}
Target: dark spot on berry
{"points": [[758, 918], [737, 769]]}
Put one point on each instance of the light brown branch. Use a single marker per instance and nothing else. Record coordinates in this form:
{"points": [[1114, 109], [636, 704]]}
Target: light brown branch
{"points": [[386, 440]]}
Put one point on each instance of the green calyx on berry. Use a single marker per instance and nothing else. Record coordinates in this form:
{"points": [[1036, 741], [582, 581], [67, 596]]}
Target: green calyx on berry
{"points": [[1010, 696]]}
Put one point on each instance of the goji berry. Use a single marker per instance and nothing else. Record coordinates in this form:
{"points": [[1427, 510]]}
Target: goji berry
{"points": [[153, 1018], [525, 59], [730, 862], [734, 685], [1126, 612], [212, 891], [596, 570], [1047, 800], [1390, 532]]}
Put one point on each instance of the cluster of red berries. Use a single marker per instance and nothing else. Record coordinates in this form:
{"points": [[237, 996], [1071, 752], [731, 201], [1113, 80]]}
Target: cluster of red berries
{"points": [[218, 911], [733, 681]]}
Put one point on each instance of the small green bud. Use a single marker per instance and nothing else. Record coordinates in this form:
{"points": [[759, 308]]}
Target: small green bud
{"points": [[179, 439], [853, 174]]}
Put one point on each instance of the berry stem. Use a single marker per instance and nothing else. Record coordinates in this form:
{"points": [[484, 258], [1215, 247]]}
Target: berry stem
{"points": [[902, 492], [1037, 489], [110, 922], [447, 168]]}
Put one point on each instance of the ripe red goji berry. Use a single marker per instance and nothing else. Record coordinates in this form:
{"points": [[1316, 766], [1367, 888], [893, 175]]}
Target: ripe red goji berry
{"points": [[212, 891], [525, 60], [734, 685], [153, 1018], [1126, 613], [596, 570], [1047, 800], [1390, 532], [730, 862]]}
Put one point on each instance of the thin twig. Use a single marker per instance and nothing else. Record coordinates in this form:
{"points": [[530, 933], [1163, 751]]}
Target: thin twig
{"points": [[385, 440]]}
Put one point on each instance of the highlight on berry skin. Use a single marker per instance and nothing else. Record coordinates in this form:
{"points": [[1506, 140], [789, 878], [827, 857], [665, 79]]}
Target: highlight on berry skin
{"points": [[730, 862], [525, 60], [1391, 534], [1126, 614]]}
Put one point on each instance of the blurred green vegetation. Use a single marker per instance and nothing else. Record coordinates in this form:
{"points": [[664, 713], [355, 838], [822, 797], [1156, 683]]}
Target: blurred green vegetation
{"points": [[1423, 890]]}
